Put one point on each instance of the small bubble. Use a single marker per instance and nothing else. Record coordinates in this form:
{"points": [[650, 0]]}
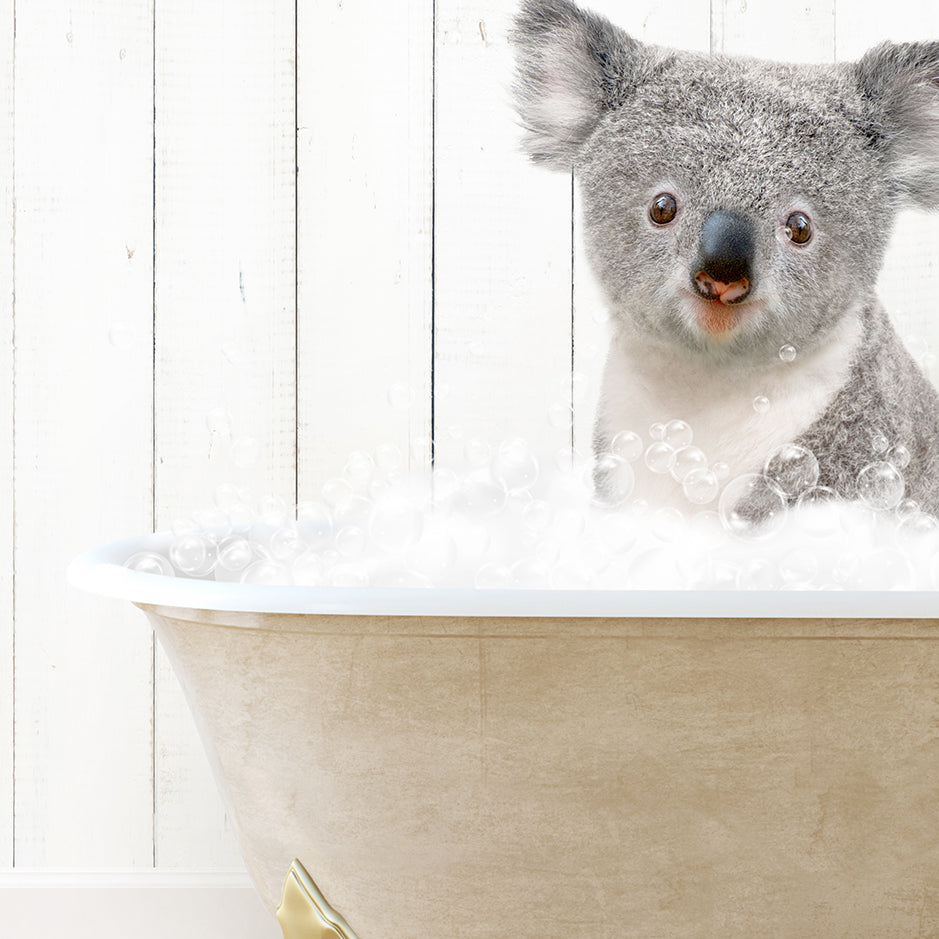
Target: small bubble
{"points": [[899, 456], [235, 554], [150, 562], [358, 469], [787, 353], [687, 459], [906, 508], [615, 480], [793, 468], [388, 458], [192, 554], [336, 491], [657, 431], [308, 569], [700, 486], [627, 445], [752, 506], [761, 404], [286, 543], [721, 470], [659, 457], [265, 572], [879, 443], [880, 485], [678, 434]]}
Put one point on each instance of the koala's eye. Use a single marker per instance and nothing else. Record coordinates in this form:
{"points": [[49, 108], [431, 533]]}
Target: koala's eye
{"points": [[798, 228], [664, 208]]}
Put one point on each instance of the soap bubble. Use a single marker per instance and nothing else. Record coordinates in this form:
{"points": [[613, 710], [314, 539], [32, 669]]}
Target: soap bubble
{"points": [[787, 353], [150, 562], [235, 554], [761, 404], [265, 572], [667, 523], [615, 480], [752, 506], [514, 466], [315, 523], [687, 459], [700, 486], [678, 434], [627, 445], [906, 508], [880, 485], [273, 510], [793, 468], [899, 456], [721, 470], [657, 431], [560, 415], [879, 443], [389, 459], [759, 574], [286, 543], [193, 554], [660, 457]]}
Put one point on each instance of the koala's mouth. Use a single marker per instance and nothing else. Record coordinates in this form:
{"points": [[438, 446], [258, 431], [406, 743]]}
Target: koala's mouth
{"points": [[722, 316]]}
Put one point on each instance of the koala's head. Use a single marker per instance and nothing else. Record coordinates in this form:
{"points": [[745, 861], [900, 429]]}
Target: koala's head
{"points": [[731, 206]]}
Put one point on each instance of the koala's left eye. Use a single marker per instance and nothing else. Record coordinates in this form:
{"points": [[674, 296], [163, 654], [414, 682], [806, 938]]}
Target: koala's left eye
{"points": [[798, 228], [664, 208]]}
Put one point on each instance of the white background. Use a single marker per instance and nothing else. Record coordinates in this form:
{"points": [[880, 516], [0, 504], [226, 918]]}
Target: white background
{"points": [[238, 241]]}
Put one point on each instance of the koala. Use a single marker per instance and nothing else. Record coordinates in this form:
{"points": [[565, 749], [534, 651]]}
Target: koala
{"points": [[734, 208]]}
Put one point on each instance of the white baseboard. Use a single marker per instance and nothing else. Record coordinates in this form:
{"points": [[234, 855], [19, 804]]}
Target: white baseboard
{"points": [[142, 904]]}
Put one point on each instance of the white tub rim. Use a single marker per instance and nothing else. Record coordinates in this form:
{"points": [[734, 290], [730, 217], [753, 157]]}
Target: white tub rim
{"points": [[100, 571]]}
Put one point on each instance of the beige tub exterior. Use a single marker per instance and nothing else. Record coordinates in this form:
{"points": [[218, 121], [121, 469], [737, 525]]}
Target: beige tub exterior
{"points": [[472, 777]]}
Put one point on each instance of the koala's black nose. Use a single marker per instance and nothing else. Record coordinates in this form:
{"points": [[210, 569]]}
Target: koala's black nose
{"points": [[725, 264]]}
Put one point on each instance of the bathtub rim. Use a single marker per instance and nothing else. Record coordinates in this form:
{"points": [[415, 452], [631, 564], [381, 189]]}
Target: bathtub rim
{"points": [[100, 570]]}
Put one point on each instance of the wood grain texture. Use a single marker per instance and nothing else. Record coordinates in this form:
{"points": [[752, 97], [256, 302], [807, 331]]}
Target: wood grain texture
{"points": [[225, 322], [83, 132]]}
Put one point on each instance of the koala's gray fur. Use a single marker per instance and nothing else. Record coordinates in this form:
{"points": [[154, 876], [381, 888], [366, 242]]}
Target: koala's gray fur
{"points": [[848, 145]]}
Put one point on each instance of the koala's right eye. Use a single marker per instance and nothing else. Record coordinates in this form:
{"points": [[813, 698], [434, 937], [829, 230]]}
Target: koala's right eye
{"points": [[664, 208]]}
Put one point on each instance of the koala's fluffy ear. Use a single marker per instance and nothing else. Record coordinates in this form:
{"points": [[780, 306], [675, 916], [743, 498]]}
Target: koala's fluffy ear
{"points": [[572, 67], [901, 82]]}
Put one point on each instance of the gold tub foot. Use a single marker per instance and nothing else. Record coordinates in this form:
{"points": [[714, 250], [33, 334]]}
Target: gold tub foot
{"points": [[304, 913]]}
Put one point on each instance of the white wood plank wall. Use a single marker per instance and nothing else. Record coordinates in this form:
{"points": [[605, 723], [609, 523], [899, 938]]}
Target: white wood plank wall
{"points": [[237, 242]]}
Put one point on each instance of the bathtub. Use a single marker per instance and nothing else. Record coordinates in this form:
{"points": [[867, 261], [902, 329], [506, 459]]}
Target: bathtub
{"points": [[460, 764]]}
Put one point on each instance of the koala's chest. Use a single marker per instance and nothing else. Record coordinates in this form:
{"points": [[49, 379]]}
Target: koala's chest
{"points": [[737, 418]]}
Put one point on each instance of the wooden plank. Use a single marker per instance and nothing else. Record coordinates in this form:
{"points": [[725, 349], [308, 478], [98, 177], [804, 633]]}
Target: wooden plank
{"points": [[502, 273], [6, 434], [909, 282], [83, 454], [681, 25], [225, 308], [364, 231]]}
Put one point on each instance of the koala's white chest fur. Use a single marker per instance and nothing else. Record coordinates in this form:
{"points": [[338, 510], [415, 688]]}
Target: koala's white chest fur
{"points": [[643, 386]]}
